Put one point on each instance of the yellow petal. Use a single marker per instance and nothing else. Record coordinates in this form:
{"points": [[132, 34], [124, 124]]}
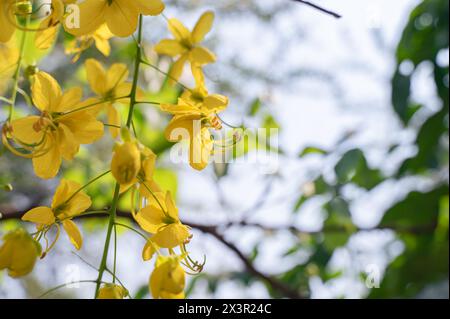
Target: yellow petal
{"points": [[115, 76], [177, 69], [171, 236], [46, 92], [69, 100], [45, 38], [7, 20], [216, 102], [200, 149], [114, 119], [84, 126], [92, 16], [47, 166], [203, 27], [153, 7], [181, 127], [74, 233], [121, 18], [78, 203], [170, 47], [67, 143], [149, 250], [179, 31], [202, 56], [96, 76], [172, 210], [40, 216], [103, 46], [27, 130]]}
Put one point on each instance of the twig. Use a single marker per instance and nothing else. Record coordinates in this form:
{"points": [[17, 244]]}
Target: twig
{"points": [[315, 6]]}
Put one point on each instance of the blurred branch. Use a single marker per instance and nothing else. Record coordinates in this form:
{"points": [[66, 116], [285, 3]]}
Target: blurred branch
{"points": [[326, 11]]}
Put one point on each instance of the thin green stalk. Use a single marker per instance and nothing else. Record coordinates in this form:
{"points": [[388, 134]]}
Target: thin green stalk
{"points": [[113, 211], [112, 219], [17, 72]]}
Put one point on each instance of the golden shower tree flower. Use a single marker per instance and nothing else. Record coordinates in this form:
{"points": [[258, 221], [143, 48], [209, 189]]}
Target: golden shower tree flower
{"points": [[195, 129], [99, 37], [121, 16], [68, 202], [112, 291], [19, 253], [168, 279], [64, 124], [110, 86], [195, 113], [160, 217], [186, 45]]}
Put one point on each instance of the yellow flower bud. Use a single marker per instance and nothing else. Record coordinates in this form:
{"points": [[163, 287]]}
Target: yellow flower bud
{"points": [[126, 163], [112, 291], [19, 252], [168, 279]]}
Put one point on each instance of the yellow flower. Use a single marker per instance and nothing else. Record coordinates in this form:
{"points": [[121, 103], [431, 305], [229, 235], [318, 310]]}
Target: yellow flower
{"points": [[64, 124], [126, 163], [9, 55], [160, 217], [19, 252], [100, 38], [195, 129], [69, 201], [7, 20], [121, 16], [48, 29], [168, 279], [112, 291], [110, 86], [186, 45], [197, 101]]}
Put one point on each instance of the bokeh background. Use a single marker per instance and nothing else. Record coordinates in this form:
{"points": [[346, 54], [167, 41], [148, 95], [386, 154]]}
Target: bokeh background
{"points": [[355, 203]]}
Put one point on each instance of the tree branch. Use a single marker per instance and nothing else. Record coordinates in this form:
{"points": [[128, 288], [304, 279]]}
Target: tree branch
{"points": [[326, 11]]}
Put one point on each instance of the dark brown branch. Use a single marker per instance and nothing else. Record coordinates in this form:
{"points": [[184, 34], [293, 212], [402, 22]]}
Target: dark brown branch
{"points": [[284, 289], [315, 6]]}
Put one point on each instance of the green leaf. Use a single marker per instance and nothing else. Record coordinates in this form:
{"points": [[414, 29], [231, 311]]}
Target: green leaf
{"points": [[255, 107], [416, 210], [353, 168], [428, 142], [312, 150]]}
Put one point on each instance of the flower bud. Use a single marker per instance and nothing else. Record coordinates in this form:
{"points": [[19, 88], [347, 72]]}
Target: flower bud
{"points": [[112, 291], [126, 163], [19, 253], [168, 279]]}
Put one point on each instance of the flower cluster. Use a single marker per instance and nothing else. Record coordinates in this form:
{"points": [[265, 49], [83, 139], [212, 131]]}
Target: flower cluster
{"points": [[63, 120]]}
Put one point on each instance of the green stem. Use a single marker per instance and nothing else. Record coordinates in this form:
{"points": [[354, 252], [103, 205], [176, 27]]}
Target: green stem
{"points": [[137, 65], [17, 72], [113, 211], [112, 219]]}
